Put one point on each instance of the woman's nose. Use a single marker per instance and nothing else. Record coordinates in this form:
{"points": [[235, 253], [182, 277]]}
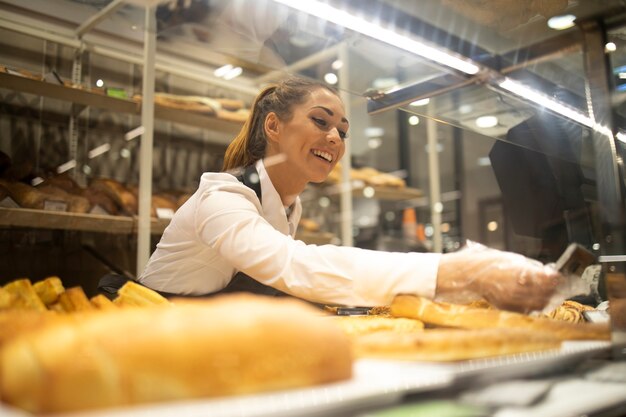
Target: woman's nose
{"points": [[333, 135]]}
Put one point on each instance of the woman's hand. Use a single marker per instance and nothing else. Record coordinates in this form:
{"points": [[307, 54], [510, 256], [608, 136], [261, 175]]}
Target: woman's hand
{"points": [[507, 280]]}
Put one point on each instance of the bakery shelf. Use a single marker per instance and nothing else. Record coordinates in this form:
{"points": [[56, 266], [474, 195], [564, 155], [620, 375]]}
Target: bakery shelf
{"points": [[44, 219], [380, 192], [390, 193], [89, 98]]}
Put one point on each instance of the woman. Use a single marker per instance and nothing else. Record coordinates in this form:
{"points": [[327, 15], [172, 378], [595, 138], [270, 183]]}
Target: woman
{"points": [[236, 232]]}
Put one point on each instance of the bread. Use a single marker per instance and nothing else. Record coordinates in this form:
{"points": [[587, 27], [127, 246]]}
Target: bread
{"points": [[231, 344], [452, 344], [123, 198], [454, 315], [358, 325]]}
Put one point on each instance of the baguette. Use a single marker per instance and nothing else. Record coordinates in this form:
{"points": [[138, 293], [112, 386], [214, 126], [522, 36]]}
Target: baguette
{"points": [[467, 317], [230, 344]]}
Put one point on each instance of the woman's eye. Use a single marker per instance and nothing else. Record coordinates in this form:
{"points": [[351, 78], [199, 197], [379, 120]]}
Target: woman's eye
{"points": [[318, 121]]}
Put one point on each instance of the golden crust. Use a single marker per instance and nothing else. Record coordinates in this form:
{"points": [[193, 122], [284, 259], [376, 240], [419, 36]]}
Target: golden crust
{"points": [[452, 344], [228, 345], [454, 315], [357, 325]]}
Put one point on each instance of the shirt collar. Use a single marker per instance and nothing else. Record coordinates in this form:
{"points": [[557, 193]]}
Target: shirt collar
{"points": [[273, 210]]}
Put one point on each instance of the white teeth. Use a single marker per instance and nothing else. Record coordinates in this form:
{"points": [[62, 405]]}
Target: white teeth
{"points": [[324, 155]]}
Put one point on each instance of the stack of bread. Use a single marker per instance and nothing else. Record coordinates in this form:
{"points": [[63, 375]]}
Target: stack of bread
{"points": [[369, 176], [61, 351], [438, 331]]}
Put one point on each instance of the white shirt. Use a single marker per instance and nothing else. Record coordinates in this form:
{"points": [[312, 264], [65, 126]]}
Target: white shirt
{"points": [[224, 228]]}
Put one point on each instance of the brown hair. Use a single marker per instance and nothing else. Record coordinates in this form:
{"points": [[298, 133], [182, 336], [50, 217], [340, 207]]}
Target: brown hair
{"points": [[249, 145]]}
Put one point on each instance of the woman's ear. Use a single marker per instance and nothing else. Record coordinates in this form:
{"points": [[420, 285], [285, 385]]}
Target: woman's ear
{"points": [[272, 126]]}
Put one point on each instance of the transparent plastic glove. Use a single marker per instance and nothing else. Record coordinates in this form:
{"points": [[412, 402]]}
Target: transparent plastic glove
{"points": [[507, 280]]}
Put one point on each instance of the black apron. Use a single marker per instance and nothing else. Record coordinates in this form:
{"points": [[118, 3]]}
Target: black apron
{"points": [[110, 283], [242, 282]]}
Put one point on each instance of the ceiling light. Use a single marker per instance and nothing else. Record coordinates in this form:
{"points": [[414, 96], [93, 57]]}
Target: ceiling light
{"points": [[223, 70], [331, 78], [234, 72], [492, 226], [486, 121], [621, 137], [610, 47], [374, 132], [99, 83], [414, 120], [561, 22], [483, 161], [374, 143], [337, 64], [465, 108], [345, 19], [421, 102]]}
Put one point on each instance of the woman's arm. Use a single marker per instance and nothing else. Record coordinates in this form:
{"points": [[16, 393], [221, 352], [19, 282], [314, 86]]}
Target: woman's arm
{"points": [[506, 280]]}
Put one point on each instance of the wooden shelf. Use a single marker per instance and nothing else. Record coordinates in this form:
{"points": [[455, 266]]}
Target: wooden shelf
{"points": [[380, 192], [43, 219], [89, 98]]}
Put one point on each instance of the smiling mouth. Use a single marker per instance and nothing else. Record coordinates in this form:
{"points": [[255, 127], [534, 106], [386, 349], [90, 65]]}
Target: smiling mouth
{"points": [[323, 155]]}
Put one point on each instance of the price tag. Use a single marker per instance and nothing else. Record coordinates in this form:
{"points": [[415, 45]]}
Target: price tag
{"points": [[55, 205], [96, 209], [8, 202]]}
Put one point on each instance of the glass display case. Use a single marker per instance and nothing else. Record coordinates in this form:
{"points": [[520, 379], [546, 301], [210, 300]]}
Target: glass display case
{"points": [[469, 120]]}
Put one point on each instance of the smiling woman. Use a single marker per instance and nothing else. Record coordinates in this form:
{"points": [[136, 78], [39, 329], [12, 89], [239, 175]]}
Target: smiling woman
{"points": [[236, 233]]}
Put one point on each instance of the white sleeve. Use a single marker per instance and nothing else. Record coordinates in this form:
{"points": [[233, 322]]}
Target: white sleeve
{"points": [[232, 225]]}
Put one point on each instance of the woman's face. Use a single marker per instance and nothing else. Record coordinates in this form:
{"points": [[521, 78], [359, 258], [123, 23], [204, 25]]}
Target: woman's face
{"points": [[313, 139]]}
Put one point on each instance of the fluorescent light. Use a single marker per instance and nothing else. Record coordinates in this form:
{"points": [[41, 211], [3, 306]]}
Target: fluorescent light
{"points": [[234, 72], [414, 120], [561, 22], [99, 150], [485, 122], [610, 47], [223, 70], [345, 19], [138, 131], [66, 166], [418, 103], [331, 78], [621, 137], [374, 132], [545, 101]]}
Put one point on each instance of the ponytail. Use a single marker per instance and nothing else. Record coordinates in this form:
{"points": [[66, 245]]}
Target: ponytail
{"points": [[249, 145]]}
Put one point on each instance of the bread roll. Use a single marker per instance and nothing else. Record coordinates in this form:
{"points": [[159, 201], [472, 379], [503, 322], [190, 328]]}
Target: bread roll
{"points": [[455, 315], [233, 344]]}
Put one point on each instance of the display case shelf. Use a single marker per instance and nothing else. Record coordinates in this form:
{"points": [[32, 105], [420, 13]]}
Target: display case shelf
{"points": [[45, 219], [93, 99]]}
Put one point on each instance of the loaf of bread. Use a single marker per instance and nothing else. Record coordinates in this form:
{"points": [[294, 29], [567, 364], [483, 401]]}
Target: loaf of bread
{"points": [[123, 198], [452, 344], [358, 325], [467, 317], [232, 344]]}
